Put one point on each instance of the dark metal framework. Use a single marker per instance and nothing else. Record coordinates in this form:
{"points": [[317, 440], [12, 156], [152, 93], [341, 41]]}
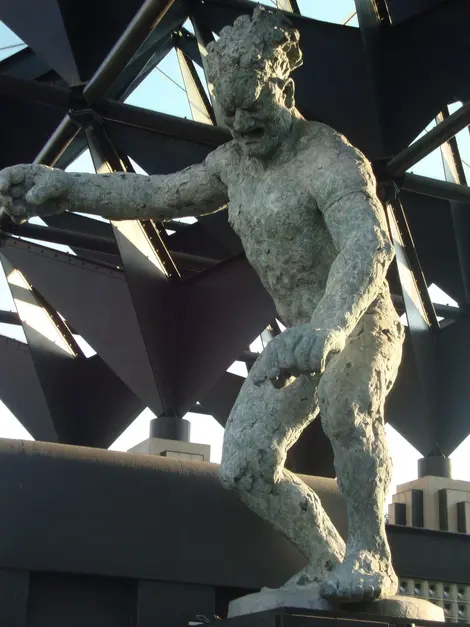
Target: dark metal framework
{"points": [[167, 314]]}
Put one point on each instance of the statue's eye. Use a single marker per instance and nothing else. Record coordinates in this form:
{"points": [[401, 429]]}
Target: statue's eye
{"points": [[255, 107]]}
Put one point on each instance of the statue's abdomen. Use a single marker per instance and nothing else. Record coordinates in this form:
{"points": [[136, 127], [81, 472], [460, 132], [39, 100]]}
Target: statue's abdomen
{"points": [[292, 253]]}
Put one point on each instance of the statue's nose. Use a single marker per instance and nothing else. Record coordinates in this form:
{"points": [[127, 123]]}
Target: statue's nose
{"points": [[243, 121]]}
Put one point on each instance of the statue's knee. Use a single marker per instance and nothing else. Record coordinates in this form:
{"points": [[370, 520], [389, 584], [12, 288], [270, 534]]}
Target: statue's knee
{"points": [[236, 474], [257, 468], [227, 476]]}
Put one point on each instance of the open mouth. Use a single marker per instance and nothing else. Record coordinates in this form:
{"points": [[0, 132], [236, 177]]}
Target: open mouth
{"points": [[253, 135]]}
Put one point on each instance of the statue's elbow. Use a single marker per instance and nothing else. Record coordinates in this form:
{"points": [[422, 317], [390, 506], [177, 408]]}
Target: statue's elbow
{"points": [[385, 252]]}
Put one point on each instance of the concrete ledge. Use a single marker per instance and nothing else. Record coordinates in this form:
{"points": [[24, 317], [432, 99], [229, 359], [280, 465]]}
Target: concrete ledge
{"points": [[79, 510], [83, 510]]}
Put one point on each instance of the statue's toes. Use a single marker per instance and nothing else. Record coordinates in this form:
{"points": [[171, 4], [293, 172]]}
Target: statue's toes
{"points": [[345, 592], [357, 592], [348, 591], [329, 589], [371, 593]]}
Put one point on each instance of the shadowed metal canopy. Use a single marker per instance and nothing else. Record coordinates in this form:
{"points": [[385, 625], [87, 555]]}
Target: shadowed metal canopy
{"points": [[168, 308]]}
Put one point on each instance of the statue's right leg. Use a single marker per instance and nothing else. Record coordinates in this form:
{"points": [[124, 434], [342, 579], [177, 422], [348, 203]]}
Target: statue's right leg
{"points": [[264, 423]]}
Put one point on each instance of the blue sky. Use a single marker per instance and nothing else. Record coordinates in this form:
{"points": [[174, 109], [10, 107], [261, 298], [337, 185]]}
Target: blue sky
{"points": [[163, 91]]}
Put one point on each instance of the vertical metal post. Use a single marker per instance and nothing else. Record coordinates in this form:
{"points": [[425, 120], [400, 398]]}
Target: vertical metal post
{"points": [[204, 37], [201, 108], [422, 320], [374, 20], [290, 6], [454, 173]]}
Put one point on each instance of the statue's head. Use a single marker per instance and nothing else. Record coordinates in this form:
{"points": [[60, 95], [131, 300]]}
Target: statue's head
{"points": [[249, 67]]}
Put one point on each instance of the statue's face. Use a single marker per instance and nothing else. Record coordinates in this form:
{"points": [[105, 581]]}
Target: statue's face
{"points": [[258, 116]]}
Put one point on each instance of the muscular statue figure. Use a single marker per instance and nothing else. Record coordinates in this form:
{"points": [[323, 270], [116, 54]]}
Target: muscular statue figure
{"points": [[304, 203]]}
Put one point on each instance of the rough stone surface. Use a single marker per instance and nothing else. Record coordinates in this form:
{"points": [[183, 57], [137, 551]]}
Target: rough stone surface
{"points": [[304, 203], [395, 606]]}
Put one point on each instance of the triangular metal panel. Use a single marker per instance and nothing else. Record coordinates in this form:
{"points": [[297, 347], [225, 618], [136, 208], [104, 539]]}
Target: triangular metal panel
{"points": [[453, 362], [430, 223], [80, 224], [153, 300], [152, 51], [428, 67], [52, 355], [224, 308], [21, 391], [219, 400], [41, 25], [195, 239], [405, 409], [25, 64], [96, 302], [312, 454], [105, 26], [103, 406], [30, 124], [402, 10], [156, 153], [218, 226]]}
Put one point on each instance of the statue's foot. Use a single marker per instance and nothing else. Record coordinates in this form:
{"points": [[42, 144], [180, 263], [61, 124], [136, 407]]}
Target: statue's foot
{"points": [[362, 577], [308, 576]]}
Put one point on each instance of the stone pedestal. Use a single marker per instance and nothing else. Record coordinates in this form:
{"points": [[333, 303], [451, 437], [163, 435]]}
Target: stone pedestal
{"points": [[309, 599]]}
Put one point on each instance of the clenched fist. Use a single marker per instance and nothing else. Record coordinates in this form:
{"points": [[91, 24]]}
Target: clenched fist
{"points": [[33, 190], [298, 350]]}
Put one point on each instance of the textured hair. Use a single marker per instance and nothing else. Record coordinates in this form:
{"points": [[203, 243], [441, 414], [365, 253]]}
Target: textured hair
{"points": [[266, 45]]}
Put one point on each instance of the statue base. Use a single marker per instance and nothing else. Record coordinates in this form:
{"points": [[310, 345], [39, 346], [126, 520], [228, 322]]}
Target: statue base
{"points": [[309, 599]]}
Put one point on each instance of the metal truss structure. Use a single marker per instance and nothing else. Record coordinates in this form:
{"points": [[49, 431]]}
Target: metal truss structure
{"points": [[168, 313]]}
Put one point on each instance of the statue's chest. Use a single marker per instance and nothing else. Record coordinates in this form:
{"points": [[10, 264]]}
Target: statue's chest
{"points": [[270, 209]]}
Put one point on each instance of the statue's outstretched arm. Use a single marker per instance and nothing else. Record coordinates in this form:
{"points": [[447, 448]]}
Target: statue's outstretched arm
{"points": [[28, 190], [346, 195]]}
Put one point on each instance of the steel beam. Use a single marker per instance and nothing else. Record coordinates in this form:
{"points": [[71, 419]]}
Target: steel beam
{"points": [[432, 187], [58, 142], [36, 91], [422, 147], [97, 243], [445, 311], [164, 124], [66, 238], [9, 317], [145, 20]]}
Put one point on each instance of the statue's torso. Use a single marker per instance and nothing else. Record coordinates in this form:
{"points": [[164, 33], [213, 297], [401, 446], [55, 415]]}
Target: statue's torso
{"points": [[283, 233]]}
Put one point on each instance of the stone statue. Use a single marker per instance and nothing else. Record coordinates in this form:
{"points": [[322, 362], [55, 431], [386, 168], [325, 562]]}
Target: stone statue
{"points": [[304, 203]]}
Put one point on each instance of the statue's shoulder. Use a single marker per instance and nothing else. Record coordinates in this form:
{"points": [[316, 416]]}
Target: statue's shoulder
{"points": [[318, 136], [328, 147], [223, 158]]}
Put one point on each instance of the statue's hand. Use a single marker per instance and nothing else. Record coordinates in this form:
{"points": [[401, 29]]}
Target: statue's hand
{"points": [[33, 190], [298, 350]]}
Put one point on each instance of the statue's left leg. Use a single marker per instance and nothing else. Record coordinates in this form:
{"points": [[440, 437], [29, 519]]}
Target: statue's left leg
{"points": [[351, 396]]}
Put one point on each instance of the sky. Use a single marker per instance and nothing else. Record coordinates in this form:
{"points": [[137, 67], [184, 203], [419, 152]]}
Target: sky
{"points": [[163, 91]]}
